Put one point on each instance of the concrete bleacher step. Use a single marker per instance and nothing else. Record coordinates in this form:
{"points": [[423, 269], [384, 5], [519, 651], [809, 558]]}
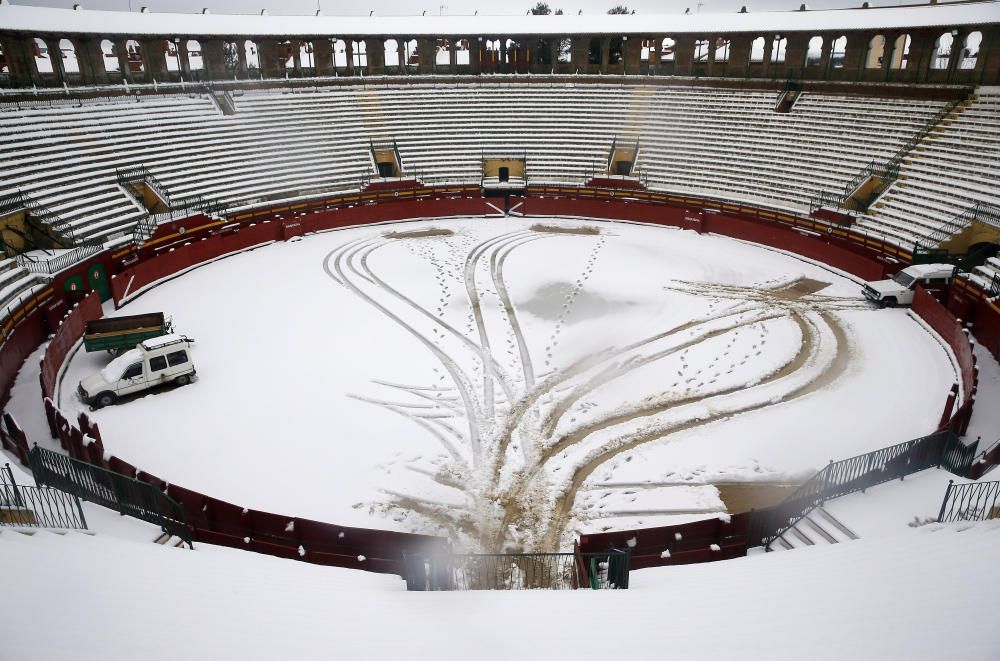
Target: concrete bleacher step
{"points": [[818, 528]]}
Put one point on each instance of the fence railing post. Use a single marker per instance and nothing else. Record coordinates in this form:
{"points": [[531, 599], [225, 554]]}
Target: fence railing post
{"points": [[13, 486], [944, 503]]}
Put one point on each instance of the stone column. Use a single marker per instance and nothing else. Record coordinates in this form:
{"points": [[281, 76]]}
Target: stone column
{"points": [[375, 49], [957, 46], [83, 60], [28, 47], [349, 56], [98, 64], [20, 60], [267, 53], [821, 70], [323, 57], [295, 46], [580, 54], [500, 57], [213, 57], [739, 56], [921, 51], [710, 58], [888, 51], [684, 55], [55, 57], [654, 55], [241, 56], [182, 58], [426, 48], [154, 60], [795, 55], [854, 58], [988, 65], [475, 54], [401, 51], [605, 53], [453, 45], [633, 54], [121, 52]]}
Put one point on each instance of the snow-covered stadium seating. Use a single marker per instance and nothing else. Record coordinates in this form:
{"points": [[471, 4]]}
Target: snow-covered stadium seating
{"points": [[724, 143], [985, 274], [954, 167]]}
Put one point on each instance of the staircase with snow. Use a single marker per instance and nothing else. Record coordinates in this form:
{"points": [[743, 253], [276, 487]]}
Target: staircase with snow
{"points": [[817, 528], [166, 539]]}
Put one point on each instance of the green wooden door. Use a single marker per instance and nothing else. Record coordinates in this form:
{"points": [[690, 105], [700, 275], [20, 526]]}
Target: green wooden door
{"points": [[98, 281]]}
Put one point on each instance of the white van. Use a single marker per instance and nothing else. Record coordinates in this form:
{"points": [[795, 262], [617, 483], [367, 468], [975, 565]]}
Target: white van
{"points": [[899, 290], [156, 361]]}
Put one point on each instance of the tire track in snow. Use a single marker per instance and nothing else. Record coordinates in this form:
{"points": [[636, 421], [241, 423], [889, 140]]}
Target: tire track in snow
{"points": [[564, 503], [457, 375]]}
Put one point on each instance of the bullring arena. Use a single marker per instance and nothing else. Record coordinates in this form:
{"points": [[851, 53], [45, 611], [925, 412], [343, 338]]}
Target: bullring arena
{"points": [[489, 310]]}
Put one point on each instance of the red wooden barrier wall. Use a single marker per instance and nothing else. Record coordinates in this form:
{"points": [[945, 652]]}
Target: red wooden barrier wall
{"points": [[66, 336], [956, 337], [813, 247], [219, 522], [719, 538], [21, 335], [987, 315]]}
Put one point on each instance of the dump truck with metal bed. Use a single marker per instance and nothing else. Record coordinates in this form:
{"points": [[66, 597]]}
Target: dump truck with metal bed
{"points": [[118, 334]]}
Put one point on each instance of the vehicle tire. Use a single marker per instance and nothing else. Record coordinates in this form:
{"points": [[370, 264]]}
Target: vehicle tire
{"points": [[104, 399], [889, 302], [183, 380]]}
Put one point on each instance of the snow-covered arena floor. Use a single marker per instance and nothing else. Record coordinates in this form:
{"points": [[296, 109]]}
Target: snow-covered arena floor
{"points": [[514, 382]]}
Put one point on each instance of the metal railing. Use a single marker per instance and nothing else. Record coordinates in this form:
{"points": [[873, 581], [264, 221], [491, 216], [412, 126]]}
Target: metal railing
{"points": [[519, 571], [51, 222], [54, 264], [973, 501], [126, 495], [857, 474], [887, 171], [146, 224], [140, 174], [979, 211], [37, 507]]}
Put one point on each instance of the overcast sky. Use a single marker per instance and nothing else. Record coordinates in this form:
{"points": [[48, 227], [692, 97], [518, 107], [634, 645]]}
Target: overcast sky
{"points": [[415, 7]]}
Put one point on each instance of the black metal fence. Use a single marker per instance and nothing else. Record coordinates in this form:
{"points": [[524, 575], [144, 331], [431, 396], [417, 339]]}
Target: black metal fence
{"points": [[857, 474], [974, 501], [519, 571], [126, 495], [57, 263], [36, 507]]}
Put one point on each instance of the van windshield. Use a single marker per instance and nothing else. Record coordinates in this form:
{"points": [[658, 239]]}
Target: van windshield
{"points": [[904, 279], [113, 371]]}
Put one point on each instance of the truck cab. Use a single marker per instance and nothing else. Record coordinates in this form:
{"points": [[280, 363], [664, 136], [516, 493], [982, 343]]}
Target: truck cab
{"points": [[900, 288], [154, 362]]}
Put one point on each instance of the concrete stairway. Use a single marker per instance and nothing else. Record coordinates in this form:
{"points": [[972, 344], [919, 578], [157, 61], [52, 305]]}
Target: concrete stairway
{"points": [[166, 539], [819, 527]]}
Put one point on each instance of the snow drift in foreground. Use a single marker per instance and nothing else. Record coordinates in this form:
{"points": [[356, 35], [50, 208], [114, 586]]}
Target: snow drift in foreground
{"points": [[925, 593]]}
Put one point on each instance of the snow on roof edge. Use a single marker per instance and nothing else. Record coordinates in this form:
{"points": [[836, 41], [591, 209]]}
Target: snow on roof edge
{"points": [[24, 18]]}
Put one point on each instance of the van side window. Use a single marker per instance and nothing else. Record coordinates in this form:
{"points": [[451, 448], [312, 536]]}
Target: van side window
{"points": [[177, 358], [132, 371], [157, 363]]}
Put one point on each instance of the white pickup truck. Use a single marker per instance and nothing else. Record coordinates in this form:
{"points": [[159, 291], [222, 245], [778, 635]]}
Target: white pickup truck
{"points": [[899, 290], [156, 361]]}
